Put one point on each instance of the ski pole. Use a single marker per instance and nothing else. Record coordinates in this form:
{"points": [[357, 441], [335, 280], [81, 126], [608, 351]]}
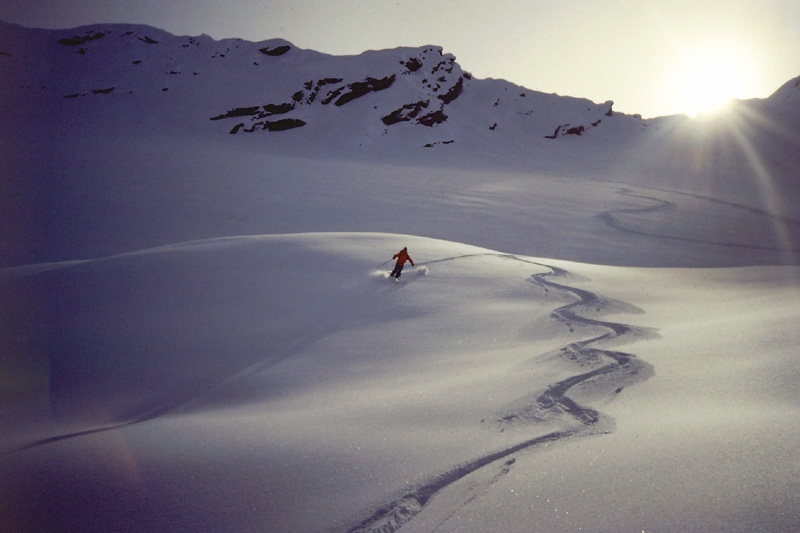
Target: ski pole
{"points": [[377, 267]]}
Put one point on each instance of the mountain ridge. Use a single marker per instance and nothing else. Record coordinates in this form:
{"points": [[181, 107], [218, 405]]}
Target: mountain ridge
{"points": [[395, 104], [105, 59]]}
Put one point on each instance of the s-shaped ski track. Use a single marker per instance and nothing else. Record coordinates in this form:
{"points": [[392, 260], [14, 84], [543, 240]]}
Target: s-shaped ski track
{"points": [[394, 514]]}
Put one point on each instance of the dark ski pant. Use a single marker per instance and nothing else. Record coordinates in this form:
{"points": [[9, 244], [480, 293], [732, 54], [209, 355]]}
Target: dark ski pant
{"points": [[397, 269]]}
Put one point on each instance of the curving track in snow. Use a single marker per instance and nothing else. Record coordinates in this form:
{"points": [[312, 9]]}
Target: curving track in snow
{"points": [[619, 367], [613, 220]]}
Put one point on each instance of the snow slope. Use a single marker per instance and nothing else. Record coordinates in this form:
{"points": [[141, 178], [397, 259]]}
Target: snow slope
{"points": [[195, 336], [283, 383]]}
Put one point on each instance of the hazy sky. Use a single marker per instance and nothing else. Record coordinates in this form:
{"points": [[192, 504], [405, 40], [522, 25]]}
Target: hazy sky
{"points": [[653, 57]]}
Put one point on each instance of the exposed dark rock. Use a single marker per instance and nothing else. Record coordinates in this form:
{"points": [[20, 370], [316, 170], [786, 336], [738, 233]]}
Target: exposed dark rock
{"points": [[275, 125], [405, 113], [5, 54], [321, 83], [555, 133], [431, 145], [78, 40], [446, 65], [238, 112], [577, 130], [284, 124], [298, 96], [103, 91], [148, 40], [328, 99], [413, 64], [436, 117], [453, 93], [277, 109], [274, 52], [360, 88]]}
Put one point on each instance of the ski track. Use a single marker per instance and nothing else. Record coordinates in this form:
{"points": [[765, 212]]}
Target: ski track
{"points": [[157, 409], [611, 221], [168, 403], [392, 516]]}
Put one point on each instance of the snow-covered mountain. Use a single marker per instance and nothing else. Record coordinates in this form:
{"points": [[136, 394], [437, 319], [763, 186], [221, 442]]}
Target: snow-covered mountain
{"points": [[388, 103], [405, 93]]}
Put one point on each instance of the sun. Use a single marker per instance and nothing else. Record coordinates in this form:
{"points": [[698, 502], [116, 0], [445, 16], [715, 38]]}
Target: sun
{"points": [[707, 77]]}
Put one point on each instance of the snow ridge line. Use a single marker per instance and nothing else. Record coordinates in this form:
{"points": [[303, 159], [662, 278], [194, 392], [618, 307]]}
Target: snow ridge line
{"points": [[394, 515]]}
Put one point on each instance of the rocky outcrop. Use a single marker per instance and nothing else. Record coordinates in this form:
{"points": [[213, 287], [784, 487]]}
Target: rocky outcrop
{"points": [[568, 129], [332, 89], [433, 78], [276, 51], [79, 40], [238, 112], [360, 88], [267, 125], [565, 129], [454, 91], [412, 65], [258, 112], [405, 113], [436, 117]]}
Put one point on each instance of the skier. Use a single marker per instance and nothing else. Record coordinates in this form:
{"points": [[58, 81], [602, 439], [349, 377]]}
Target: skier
{"points": [[401, 256]]}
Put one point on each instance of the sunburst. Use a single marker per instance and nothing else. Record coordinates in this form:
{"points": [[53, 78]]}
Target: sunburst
{"points": [[708, 76]]}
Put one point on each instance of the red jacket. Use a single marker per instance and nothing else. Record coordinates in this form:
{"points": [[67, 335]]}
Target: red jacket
{"points": [[402, 256]]}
